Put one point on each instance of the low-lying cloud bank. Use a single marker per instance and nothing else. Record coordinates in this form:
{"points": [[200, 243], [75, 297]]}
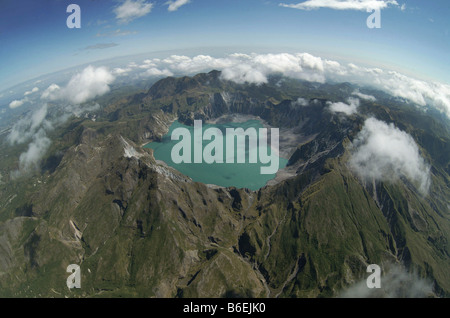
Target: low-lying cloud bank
{"points": [[383, 152], [256, 68]]}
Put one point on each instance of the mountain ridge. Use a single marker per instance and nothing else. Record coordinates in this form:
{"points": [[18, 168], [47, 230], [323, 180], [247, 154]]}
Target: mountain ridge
{"points": [[140, 228]]}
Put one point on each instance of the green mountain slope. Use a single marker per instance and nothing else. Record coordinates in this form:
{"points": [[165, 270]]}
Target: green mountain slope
{"points": [[140, 228]]}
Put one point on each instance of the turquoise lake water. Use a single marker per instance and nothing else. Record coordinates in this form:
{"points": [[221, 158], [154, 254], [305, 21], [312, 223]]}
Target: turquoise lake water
{"points": [[239, 175]]}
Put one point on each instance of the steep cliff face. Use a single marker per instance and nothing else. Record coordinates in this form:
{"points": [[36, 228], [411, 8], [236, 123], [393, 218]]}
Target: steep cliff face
{"points": [[140, 228]]}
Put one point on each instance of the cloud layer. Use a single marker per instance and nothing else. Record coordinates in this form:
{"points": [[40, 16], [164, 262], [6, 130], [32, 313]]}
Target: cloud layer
{"points": [[383, 152], [256, 68], [361, 5]]}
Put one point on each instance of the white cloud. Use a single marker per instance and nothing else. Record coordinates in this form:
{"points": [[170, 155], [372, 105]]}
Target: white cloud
{"points": [[147, 64], [36, 150], [121, 71], [383, 152], [51, 92], [361, 5], [78, 110], [157, 72], [26, 127], [243, 73], [174, 5], [88, 84], [256, 68], [199, 63], [396, 282], [34, 90], [301, 102], [130, 10], [417, 91], [17, 103], [252, 68], [33, 129], [348, 109], [132, 65], [364, 96]]}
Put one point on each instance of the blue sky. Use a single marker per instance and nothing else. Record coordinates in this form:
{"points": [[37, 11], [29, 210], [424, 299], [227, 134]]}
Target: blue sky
{"points": [[413, 38]]}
